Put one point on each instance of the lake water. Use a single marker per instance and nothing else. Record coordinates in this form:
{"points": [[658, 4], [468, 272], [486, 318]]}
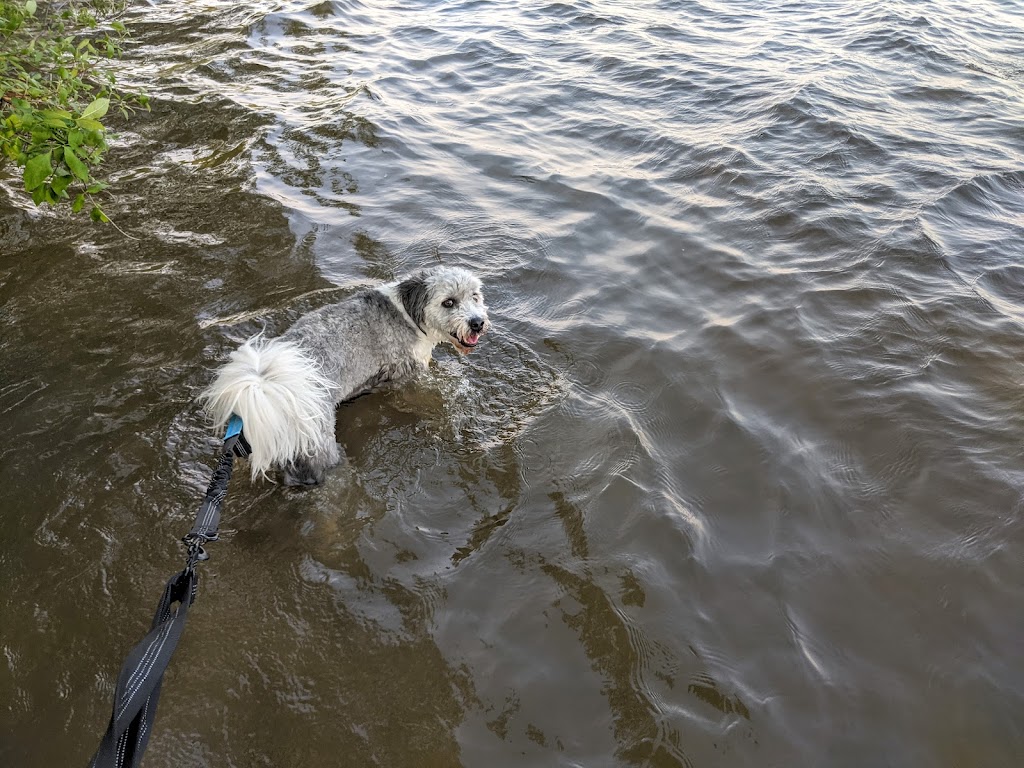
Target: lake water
{"points": [[735, 481]]}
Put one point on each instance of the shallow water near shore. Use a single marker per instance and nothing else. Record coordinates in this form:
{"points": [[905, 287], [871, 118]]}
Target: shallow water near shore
{"points": [[735, 480]]}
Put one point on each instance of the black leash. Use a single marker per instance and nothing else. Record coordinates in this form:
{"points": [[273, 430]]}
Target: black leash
{"points": [[142, 674]]}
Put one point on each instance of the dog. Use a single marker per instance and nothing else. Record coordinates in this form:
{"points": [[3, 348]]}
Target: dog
{"points": [[286, 389]]}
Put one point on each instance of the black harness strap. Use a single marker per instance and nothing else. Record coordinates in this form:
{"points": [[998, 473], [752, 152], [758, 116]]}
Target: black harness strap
{"points": [[138, 684]]}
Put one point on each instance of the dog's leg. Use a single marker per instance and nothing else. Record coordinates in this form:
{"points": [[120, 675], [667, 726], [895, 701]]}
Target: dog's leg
{"points": [[309, 471], [302, 473]]}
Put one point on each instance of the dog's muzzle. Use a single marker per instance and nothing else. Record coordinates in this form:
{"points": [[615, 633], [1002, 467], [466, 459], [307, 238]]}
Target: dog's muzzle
{"points": [[470, 340]]}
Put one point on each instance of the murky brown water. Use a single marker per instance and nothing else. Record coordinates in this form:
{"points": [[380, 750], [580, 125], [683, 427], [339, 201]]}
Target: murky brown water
{"points": [[735, 481]]}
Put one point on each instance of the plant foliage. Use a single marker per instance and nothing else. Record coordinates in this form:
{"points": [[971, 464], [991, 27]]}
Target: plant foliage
{"points": [[56, 88]]}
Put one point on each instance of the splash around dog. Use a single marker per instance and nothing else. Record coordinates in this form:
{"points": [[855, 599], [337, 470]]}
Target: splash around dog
{"points": [[285, 389]]}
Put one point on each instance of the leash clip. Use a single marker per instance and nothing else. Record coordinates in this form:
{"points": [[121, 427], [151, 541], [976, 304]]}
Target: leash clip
{"points": [[195, 552], [234, 438]]}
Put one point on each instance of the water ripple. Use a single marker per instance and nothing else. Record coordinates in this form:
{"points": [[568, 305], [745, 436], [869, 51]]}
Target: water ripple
{"points": [[735, 478]]}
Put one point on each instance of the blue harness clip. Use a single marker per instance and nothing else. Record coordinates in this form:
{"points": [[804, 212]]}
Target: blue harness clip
{"points": [[234, 426]]}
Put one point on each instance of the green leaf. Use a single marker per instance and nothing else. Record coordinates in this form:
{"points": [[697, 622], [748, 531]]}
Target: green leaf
{"points": [[59, 184], [37, 170], [89, 125], [79, 203], [20, 121], [75, 138], [30, 7], [77, 166], [96, 110], [97, 214], [97, 186]]}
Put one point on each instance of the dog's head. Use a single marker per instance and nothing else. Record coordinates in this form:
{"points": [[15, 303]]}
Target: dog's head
{"points": [[447, 304]]}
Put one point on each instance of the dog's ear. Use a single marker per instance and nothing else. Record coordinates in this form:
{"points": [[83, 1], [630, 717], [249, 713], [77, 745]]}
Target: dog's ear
{"points": [[413, 293]]}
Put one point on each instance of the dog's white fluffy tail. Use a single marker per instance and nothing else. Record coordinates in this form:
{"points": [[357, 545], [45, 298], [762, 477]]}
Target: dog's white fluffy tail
{"points": [[286, 404]]}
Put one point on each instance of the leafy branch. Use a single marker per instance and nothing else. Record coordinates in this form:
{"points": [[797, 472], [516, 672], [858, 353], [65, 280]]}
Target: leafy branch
{"points": [[55, 91]]}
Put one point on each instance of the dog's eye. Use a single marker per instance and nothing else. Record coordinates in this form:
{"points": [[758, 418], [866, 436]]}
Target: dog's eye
{"points": [[448, 303]]}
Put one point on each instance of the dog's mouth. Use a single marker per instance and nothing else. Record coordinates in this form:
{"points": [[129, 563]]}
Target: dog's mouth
{"points": [[467, 343]]}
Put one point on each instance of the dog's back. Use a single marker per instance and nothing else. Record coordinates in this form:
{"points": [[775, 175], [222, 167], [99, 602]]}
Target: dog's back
{"points": [[360, 343]]}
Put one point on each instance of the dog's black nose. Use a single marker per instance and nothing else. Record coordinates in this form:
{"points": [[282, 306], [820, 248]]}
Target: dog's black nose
{"points": [[476, 324]]}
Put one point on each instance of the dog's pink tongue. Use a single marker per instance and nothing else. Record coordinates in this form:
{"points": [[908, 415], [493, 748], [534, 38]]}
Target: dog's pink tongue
{"points": [[473, 338]]}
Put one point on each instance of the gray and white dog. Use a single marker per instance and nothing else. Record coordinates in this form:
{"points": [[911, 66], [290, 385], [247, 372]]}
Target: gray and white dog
{"points": [[285, 389]]}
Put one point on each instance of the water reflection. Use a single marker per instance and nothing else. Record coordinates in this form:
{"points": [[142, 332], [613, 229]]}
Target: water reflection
{"points": [[735, 479]]}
